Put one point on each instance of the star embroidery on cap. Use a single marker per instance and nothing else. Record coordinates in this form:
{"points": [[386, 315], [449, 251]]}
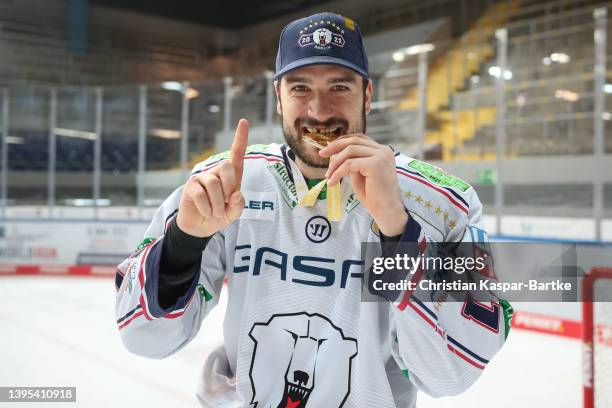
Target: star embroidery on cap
{"points": [[342, 31], [316, 23]]}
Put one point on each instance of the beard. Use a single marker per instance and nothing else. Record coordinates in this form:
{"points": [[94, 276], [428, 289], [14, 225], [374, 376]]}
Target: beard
{"points": [[307, 153]]}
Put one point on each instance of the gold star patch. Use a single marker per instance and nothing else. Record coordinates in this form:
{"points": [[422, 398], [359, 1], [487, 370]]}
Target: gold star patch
{"points": [[408, 194], [428, 204], [452, 224], [438, 210], [445, 216], [418, 198]]}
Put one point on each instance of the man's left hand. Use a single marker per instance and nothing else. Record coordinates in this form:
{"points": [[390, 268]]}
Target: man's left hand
{"points": [[372, 169]]}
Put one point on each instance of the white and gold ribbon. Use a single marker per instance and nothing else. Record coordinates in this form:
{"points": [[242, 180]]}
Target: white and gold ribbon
{"points": [[334, 200], [308, 197]]}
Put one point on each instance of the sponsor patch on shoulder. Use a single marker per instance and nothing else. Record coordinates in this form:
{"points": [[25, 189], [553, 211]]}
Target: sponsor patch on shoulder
{"points": [[145, 242], [259, 205], [438, 176]]}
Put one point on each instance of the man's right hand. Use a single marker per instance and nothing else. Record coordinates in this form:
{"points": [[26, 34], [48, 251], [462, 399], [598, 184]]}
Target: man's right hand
{"points": [[212, 200]]}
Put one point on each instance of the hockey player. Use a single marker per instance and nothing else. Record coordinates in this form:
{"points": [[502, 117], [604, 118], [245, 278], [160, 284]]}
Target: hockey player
{"points": [[296, 331]]}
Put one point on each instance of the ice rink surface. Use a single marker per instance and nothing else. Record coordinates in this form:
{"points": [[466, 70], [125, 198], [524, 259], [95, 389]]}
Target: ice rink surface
{"points": [[61, 331]]}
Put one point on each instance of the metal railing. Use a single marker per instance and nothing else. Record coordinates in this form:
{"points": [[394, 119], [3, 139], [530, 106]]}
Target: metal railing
{"points": [[457, 101]]}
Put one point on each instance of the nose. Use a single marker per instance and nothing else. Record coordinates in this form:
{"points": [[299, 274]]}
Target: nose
{"points": [[300, 377], [320, 107]]}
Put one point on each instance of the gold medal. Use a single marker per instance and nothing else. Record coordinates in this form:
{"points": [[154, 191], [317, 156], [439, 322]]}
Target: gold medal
{"points": [[334, 211]]}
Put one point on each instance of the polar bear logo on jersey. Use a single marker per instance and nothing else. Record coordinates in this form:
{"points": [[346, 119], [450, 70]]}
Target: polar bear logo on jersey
{"points": [[300, 360]]}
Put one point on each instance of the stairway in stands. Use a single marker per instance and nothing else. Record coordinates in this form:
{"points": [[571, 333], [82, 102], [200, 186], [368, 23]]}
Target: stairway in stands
{"points": [[540, 118], [449, 73]]}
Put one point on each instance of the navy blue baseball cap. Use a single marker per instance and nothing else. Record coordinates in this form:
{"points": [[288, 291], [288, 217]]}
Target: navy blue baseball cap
{"points": [[323, 38]]}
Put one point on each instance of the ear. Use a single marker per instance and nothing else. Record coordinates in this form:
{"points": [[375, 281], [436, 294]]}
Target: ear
{"points": [[368, 97], [279, 108]]}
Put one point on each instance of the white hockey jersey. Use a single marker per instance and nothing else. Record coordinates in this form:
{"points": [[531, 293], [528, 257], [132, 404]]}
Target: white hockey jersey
{"points": [[296, 333]]}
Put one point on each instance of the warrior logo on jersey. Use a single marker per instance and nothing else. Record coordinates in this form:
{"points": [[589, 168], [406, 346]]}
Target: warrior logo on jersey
{"points": [[318, 229], [305, 353]]}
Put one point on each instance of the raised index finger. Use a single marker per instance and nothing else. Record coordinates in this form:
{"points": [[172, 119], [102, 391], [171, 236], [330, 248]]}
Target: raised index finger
{"points": [[239, 149]]}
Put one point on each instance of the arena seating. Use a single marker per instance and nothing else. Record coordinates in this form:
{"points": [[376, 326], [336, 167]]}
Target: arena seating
{"points": [[549, 104]]}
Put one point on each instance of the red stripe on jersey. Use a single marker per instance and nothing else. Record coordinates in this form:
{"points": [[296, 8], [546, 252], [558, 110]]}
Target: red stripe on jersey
{"points": [[130, 319], [270, 159], [415, 278], [142, 280], [179, 313], [464, 357]]}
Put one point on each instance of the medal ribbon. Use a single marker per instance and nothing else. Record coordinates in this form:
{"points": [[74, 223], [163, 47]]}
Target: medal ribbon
{"points": [[308, 197]]}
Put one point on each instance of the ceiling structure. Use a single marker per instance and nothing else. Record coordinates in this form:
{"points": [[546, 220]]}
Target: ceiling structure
{"points": [[229, 14]]}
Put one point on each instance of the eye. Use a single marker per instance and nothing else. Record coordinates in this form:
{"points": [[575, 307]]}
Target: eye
{"points": [[340, 88], [300, 88]]}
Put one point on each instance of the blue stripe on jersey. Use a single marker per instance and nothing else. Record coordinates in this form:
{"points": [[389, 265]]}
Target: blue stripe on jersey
{"points": [[450, 190], [128, 314], [450, 339], [422, 305], [463, 348], [208, 164], [264, 154]]}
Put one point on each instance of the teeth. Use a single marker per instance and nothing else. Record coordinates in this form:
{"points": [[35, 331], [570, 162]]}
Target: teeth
{"points": [[321, 130]]}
